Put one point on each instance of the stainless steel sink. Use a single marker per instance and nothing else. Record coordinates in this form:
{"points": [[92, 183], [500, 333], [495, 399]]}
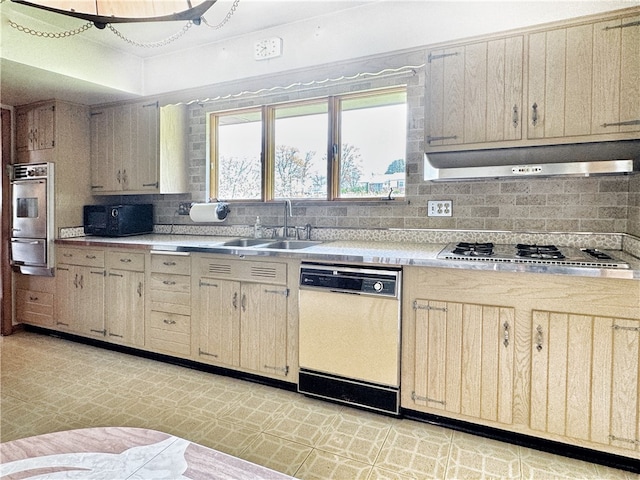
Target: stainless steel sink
{"points": [[291, 244], [246, 242]]}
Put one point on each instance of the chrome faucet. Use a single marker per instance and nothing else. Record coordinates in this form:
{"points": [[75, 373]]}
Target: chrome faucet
{"points": [[287, 213]]}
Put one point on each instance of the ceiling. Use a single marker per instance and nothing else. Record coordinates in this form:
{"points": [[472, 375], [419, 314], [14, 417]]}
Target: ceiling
{"points": [[97, 66], [23, 83]]}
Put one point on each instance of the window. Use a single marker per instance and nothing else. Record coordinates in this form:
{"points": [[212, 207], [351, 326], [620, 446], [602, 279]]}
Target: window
{"points": [[342, 147]]}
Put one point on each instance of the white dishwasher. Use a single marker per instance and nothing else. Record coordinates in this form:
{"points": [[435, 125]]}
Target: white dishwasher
{"points": [[349, 344]]}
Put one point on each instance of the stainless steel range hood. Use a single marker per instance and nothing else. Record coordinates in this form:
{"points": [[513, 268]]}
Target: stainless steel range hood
{"points": [[585, 159]]}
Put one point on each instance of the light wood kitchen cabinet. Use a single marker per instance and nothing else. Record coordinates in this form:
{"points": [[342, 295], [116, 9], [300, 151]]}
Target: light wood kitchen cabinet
{"points": [[124, 298], [463, 359], [570, 370], [243, 315], [583, 80], [35, 127], [58, 132], [80, 286], [138, 148], [168, 321], [34, 307], [584, 377], [474, 93]]}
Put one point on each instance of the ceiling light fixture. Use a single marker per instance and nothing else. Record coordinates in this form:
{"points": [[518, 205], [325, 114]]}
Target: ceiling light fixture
{"points": [[104, 12]]}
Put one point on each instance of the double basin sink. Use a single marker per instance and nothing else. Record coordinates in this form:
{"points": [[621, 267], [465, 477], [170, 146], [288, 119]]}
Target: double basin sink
{"points": [[263, 243]]}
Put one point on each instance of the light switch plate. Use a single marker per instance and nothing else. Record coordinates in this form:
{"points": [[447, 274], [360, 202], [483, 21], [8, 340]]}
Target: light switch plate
{"points": [[439, 208]]}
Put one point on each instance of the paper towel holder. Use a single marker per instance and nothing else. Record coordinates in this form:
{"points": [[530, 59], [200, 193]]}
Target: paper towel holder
{"points": [[222, 210]]}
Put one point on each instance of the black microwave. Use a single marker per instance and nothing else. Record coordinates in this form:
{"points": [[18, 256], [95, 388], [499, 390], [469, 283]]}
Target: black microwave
{"points": [[118, 220]]}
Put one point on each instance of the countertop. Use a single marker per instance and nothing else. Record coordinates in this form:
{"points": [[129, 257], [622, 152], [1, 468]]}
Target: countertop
{"points": [[347, 251]]}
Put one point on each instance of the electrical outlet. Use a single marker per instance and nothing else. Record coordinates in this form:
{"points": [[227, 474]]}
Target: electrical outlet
{"points": [[184, 208], [439, 208]]}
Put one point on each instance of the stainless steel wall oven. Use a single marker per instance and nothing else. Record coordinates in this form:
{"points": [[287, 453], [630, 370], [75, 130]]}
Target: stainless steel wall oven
{"points": [[32, 224]]}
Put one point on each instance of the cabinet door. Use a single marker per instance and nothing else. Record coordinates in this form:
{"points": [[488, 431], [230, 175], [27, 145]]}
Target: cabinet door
{"points": [[584, 377], [616, 69], [89, 301], [24, 135], [103, 160], [475, 93], [44, 127], [464, 359], [65, 296], [123, 141], [143, 171], [125, 307], [263, 342], [219, 321], [560, 79]]}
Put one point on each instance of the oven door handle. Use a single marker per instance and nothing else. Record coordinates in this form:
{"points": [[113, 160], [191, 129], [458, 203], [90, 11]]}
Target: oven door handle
{"points": [[30, 242]]}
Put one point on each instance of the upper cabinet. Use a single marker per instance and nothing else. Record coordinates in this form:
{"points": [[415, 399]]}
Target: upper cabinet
{"points": [[583, 81], [578, 80], [474, 93], [35, 128], [138, 148], [58, 132]]}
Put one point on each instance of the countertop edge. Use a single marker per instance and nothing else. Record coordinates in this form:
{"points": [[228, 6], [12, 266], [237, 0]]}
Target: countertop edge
{"points": [[345, 251]]}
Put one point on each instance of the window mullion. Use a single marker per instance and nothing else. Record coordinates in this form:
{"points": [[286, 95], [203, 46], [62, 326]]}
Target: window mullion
{"points": [[333, 150], [268, 153], [212, 174]]}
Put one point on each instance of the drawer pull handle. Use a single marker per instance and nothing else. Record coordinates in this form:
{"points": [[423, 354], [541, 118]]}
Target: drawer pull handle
{"points": [[125, 260], [169, 322], [33, 299], [168, 282], [169, 264], [90, 257]]}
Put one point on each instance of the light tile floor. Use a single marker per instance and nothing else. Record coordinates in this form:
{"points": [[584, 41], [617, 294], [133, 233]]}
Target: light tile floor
{"points": [[49, 384]]}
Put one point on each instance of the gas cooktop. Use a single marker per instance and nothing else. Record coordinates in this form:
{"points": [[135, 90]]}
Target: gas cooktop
{"points": [[531, 254]]}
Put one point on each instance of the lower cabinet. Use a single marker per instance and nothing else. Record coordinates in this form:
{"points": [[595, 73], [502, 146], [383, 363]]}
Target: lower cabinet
{"points": [[584, 377], [124, 294], [242, 311], [463, 359], [34, 307], [168, 321], [551, 356], [80, 283]]}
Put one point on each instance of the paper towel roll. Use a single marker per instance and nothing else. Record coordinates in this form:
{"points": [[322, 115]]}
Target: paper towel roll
{"points": [[208, 212]]}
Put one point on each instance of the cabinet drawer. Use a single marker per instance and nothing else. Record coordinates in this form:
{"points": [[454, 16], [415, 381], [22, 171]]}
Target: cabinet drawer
{"points": [[170, 322], [34, 307], [176, 264], [169, 333], [264, 272], [81, 256], [163, 296], [125, 261], [171, 283], [161, 303]]}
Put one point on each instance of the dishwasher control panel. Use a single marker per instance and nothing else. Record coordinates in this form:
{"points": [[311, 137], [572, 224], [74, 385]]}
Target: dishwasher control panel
{"points": [[350, 280]]}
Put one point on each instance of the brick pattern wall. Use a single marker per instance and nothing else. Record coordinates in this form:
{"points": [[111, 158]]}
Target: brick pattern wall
{"points": [[596, 204]]}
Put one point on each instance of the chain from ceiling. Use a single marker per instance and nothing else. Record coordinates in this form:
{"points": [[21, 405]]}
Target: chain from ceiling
{"points": [[160, 43]]}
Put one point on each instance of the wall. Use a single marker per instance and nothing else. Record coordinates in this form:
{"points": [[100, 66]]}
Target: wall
{"points": [[595, 204]]}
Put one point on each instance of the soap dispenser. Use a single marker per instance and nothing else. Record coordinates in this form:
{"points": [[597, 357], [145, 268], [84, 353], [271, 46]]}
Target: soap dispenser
{"points": [[257, 229]]}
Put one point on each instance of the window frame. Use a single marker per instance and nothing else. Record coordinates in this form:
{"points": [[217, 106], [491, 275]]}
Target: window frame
{"points": [[267, 156]]}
